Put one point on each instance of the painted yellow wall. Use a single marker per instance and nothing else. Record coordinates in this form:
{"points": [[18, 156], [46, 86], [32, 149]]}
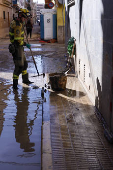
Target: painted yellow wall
{"points": [[60, 21], [61, 15]]}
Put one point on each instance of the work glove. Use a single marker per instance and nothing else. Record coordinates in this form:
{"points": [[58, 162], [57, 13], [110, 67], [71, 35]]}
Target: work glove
{"points": [[28, 46]]}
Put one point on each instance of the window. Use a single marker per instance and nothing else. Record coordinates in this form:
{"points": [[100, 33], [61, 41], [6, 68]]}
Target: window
{"points": [[3, 14]]}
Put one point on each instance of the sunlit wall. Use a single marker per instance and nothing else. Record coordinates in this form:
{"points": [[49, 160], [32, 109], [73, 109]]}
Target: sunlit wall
{"points": [[91, 23]]}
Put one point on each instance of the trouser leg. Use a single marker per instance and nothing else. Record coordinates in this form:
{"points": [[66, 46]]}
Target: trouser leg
{"points": [[30, 33], [21, 65], [27, 33], [16, 73], [15, 84], [25, 74], [15, 81]]}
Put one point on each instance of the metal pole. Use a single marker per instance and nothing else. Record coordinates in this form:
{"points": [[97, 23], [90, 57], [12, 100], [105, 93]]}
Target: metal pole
{"points": [[31, 53]]}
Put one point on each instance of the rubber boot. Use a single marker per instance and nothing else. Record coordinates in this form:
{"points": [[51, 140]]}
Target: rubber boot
{"points": [[25, 79], [15, 83]]}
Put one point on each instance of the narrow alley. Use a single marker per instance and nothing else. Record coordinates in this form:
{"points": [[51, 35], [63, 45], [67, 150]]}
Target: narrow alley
{"points": [[59, 131]]}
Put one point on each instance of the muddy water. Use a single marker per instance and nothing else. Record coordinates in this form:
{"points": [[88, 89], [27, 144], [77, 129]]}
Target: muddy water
{"points": [[20, 128], [21, 110]]}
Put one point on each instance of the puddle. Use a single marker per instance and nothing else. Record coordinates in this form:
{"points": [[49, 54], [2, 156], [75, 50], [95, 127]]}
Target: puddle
{"points": [[73, 93], [20, 126], [36, 45], [46, 64], [33, 49], [39, 64], [43, 49]]}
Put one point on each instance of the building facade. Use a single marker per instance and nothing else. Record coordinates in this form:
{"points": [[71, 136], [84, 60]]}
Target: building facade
{"points": [[5, 16], [39, 6], [91, 23], [34, 12]]}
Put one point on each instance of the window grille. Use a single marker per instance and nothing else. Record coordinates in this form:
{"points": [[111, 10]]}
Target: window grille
{"points": [[71, 2]]}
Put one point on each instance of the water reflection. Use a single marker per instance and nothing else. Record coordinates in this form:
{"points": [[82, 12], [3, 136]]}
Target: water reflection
{"points": [[39, 63], [3, 94], [34, 49], [70, 93], [36, 45], [73, 93], [1, 122], [23, 128]]}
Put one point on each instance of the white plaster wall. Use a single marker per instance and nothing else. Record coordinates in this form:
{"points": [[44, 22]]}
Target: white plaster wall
{"points": [[94, 49], [72, 21], [90, 35]]}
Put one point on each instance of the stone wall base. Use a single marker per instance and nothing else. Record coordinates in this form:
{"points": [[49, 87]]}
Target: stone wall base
{"points": [[61, 34]]}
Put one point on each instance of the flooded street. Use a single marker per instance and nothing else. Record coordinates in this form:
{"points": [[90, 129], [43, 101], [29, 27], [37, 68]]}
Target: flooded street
{"points": [[21, 111]]}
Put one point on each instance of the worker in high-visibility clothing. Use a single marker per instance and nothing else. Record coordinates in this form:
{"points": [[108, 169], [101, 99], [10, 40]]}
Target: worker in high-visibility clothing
{"points": [[16, 34]]}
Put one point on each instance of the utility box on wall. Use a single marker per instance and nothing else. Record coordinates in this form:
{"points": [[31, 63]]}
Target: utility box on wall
{"points": [[48, 24]]}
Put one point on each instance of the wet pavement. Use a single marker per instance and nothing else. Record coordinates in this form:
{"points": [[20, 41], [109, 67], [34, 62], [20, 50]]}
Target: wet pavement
{"points": [[77, 135], [57, 131]]}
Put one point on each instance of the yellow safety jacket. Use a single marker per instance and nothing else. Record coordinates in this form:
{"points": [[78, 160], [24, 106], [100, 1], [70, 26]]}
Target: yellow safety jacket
{"points": [[16, 32]]}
